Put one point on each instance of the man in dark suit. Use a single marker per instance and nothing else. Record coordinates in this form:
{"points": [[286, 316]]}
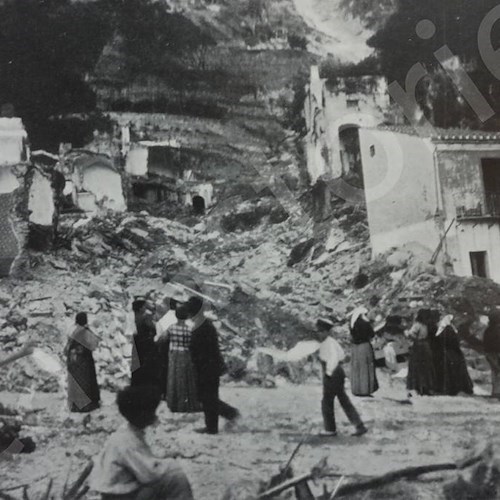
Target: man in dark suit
{"points": [[209, 366]]}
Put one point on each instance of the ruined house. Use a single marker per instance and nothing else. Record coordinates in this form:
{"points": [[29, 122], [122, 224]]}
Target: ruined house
{"points": [[93, 182], [439, 188], [161, 171], [14, 154], [334, 112]]}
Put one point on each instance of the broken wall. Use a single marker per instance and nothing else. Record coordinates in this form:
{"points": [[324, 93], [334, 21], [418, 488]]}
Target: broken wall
{"points": [[42, 210], [333, 107], [400, 188], [105, 184], [10, 241], [13, 139]]}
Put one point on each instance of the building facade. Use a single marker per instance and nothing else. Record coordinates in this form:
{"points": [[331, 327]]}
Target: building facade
{"points": [[437, 188]]}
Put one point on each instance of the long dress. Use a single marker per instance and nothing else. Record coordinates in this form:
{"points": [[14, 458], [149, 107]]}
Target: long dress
{"points": [[436, 346], [363, 376], [421, 372], [83, 390], [181, 385], [491, 343], [145, 358], [455, 377]]}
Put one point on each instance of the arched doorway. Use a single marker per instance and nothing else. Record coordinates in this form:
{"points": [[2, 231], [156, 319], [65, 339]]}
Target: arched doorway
{"points": [[350, 153], [198, 205]]}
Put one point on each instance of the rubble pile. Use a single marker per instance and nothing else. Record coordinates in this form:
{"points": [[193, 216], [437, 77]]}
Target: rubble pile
{"points": [[264, 304]]}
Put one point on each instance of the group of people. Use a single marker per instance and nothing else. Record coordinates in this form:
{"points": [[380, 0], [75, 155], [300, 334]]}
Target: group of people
{"points": [[178, 359], [184, 362], [437, 364]]}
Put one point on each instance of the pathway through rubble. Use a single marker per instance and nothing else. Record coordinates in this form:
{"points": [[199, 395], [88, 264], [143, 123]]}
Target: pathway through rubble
{"points": [[432, 430]]}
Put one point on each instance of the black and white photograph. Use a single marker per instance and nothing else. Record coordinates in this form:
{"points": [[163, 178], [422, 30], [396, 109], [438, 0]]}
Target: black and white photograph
{"points": [[249, 249]]}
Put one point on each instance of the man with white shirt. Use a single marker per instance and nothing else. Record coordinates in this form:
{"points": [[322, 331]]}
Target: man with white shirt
{"points": [[331, 356]]}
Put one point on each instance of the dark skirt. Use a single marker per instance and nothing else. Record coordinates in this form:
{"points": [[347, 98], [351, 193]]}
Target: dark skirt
{"points": [[146, 367], [83, 390], [455, 375], [421, 372], [363, 376], [182, 393]]}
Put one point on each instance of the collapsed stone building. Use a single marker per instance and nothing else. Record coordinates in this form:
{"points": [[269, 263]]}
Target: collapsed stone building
{"points": [[437, 188], [161, 171]]}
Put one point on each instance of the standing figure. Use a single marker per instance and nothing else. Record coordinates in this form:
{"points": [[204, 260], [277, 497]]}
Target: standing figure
{"points": [[83, 390], [209, 366], [331, 356], [126, 469], [174, 348], [491, 344], [363, 376], [145, 357], [455, 377], [421, 374]]}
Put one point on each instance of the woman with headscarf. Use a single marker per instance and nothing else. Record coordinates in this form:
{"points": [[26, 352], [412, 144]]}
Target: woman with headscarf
{"points": [[491, 344], [145, 359], [174, 347], [363, 376], [421, 372], [83, 390], [455, 377]]}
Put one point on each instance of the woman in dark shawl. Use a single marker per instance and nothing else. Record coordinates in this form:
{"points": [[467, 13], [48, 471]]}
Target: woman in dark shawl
{"points": [[363, 376], [455, 377], [421, 372], [83, 390], [491, 344], [145, 358]]}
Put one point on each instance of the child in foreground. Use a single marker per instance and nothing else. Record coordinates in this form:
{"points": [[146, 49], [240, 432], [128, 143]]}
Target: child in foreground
{"points": [[126, 469]]}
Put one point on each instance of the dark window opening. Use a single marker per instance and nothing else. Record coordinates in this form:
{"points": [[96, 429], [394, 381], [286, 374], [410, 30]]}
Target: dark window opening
{"points": [[149, 192], [491, 174], [353, 103], [198, 205], [479, 264], [491, 182]]}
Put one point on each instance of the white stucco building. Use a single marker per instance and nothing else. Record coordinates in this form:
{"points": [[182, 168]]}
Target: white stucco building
{"points": [[439, 188]]}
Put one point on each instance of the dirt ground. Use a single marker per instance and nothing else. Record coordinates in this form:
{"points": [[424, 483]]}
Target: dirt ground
{"points": [[431, 430]]}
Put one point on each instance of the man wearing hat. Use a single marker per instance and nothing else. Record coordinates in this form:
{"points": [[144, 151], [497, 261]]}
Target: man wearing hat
{"points": [[331, 356]]}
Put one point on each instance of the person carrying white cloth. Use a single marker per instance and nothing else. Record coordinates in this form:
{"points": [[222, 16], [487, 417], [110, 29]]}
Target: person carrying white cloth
{"points": [[331, 356]]}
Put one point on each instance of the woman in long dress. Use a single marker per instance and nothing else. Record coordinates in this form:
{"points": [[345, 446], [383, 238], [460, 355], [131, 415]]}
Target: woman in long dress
{"points": [[145, 358], [455, 377], [363, 376], [174, 348], [421, 372], [491, 344], [83, 390]]}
